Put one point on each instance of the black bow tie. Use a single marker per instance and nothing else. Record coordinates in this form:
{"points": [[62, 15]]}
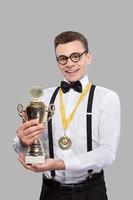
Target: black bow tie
{"points": [[75, 85]]}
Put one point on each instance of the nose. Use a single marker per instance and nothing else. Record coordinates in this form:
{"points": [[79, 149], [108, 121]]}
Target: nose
{"points": [[69, 62]]}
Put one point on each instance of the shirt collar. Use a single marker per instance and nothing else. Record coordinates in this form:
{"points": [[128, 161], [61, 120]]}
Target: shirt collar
{"points": [[84, 81]]}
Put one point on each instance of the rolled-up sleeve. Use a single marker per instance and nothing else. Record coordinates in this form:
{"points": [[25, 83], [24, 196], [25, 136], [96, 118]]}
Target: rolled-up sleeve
{"points": [[18, 147]]}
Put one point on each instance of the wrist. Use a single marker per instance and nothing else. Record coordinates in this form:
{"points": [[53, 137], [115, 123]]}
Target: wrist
{"points": [[22, 144], [60, 165]]}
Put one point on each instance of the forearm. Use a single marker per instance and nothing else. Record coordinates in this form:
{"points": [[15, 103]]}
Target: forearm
{"points": [[98, 158]]}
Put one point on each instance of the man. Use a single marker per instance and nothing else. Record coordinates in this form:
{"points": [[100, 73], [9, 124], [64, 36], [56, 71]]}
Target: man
{"points": [[83, 136]]}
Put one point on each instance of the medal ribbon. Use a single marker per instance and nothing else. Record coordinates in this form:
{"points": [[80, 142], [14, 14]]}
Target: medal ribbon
{"points": [[67, 121]]}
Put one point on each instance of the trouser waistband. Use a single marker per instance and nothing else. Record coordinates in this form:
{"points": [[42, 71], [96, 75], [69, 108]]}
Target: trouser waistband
{"points": [[90, 182]]}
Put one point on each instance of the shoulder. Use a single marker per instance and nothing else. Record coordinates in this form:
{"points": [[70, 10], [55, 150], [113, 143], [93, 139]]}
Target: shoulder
{"points": [[102, 91], [106, 96], [47, 94], [49, 90]]}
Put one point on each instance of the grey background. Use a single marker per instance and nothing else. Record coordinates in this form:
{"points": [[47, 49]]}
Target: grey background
{"points": [[27, 31]]}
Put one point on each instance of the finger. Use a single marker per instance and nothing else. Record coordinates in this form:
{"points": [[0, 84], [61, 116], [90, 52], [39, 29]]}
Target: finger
{"points": [[48, 165], [28, 124], [38, 167], [32, 135], [30, 141], [32, 129], [21, 159], [21, 156]]}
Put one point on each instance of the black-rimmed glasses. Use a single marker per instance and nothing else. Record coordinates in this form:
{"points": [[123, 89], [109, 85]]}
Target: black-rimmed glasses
{"points": [[75, 57]]}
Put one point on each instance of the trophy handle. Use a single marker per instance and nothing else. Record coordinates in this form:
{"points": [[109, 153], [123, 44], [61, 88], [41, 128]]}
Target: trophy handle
{"points": [[22, 112], [51, 110]]}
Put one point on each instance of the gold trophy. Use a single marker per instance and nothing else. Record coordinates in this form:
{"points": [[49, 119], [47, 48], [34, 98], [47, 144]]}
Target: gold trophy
{"points": [[36, 110]]}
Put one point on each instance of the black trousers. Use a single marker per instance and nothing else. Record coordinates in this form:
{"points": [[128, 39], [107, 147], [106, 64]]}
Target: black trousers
{"points": [[96, 190]]}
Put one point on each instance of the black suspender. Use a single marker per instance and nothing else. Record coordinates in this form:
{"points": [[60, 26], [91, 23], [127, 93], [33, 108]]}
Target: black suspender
{"points": [[51, 149], [88, 121], [89, 118]]}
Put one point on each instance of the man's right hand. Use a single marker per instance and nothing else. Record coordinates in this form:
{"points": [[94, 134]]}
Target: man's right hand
{"points": [[29, 131]]}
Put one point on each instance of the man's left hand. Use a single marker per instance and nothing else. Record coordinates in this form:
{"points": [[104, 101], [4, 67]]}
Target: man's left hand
{"points": [[50, 164]]}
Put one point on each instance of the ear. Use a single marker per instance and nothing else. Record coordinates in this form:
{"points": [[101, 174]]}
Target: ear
{"points": [[89, 58]]}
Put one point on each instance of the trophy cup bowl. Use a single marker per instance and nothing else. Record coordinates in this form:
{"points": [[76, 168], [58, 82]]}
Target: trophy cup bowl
{"points": [[36, 110]]}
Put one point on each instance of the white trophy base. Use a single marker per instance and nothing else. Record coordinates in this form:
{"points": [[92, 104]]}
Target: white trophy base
{"points": [[34, 159]]}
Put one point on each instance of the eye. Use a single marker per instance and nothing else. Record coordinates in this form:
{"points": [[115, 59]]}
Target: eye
{"points": [[62, 58], [75, 56]]}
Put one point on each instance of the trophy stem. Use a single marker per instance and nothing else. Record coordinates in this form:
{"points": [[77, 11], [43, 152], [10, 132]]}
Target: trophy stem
{"points": [[36, 141], [35, 153], [35, 149]]}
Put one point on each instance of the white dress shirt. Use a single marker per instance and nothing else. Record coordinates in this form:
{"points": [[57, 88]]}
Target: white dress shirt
{"points": [[105, 133]]}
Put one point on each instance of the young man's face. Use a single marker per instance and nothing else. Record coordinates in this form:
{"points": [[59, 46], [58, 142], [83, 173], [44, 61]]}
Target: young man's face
{"points": [[73, 71]]}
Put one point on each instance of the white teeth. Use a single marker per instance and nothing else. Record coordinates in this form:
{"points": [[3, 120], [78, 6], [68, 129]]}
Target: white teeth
{"points": [[71, 71]]}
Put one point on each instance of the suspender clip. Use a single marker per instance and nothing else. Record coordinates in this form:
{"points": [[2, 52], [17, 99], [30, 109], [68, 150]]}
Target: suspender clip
{"points": [[90, 174], [89, 113]]}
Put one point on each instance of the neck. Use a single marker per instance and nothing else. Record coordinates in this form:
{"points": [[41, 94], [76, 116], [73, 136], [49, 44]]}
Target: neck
{"points": [[71, 82]]}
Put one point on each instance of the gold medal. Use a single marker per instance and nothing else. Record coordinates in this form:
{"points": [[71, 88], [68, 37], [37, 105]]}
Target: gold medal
{"points": [[65, 142]]}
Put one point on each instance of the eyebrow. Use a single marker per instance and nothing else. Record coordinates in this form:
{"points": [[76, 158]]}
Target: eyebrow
{"points": [[69, 55]]}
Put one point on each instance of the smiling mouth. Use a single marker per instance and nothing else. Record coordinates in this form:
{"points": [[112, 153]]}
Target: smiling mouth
{"points": [[72, 71]]}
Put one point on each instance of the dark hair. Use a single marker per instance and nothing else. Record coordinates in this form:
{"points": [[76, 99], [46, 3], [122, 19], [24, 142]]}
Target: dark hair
{"points": [[69, 36]]}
